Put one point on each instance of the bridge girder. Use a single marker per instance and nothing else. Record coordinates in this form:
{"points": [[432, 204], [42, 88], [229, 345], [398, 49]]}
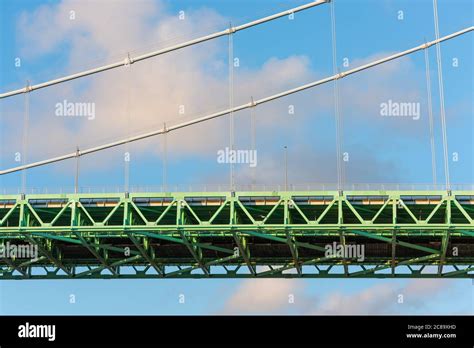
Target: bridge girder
{"points": [[422, 234]]}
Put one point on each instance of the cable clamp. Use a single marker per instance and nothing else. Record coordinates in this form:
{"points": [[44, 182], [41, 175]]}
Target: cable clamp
{"points": [[231, 29], [28, 88], [128, 61], [252, 102], [427, 45]]}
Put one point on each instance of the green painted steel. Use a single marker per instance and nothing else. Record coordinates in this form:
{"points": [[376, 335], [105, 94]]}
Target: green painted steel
{"points": [[401, 234]]}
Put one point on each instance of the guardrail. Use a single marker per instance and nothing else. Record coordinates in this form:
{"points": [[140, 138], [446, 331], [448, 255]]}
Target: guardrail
{"points": [[239, 187]]}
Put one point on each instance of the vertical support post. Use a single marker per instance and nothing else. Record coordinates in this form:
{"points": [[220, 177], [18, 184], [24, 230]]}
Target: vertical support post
{"points": [[394, 211], [342, 239], [394, 246], [340, 217], [179, 213], [127, 211], [22, 220], [444, 249], [233, 213], [449, 199]]}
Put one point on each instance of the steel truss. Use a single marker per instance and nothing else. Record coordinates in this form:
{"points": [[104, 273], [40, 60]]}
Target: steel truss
{"points": [[419, 234]]}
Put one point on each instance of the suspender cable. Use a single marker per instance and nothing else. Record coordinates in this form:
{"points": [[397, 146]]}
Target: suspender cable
{"points": [[24, 155], [441, 96], [285, 149], [241, 107], [337, 113], [165, 156], [127, 145], [231, 105], [430, 117], [76, 178], [253, 140], [167, 49]]}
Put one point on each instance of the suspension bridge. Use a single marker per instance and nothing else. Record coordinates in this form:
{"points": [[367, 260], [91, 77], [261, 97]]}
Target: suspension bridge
{"points": [[241, 231]]}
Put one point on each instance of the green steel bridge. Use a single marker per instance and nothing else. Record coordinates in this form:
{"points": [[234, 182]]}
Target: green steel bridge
{"points": [[238, 233], [284, 234]]}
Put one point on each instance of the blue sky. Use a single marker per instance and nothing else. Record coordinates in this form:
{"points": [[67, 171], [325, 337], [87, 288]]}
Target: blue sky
{"points": [[275, 56]]}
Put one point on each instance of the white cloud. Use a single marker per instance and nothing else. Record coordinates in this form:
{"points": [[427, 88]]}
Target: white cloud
{"points": [[262, 296], [195, 77], [270, 296], [157, 87]]}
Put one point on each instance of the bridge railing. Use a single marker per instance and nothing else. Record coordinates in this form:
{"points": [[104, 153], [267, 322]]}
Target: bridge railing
{"points": [[239, 187]]}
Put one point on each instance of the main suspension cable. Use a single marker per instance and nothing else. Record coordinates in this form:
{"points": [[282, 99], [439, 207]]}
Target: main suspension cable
{"points": [[243, 106], [131, 60]]}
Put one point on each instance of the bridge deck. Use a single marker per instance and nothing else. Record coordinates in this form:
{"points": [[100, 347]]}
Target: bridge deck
{"points": [[241, 234]]}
